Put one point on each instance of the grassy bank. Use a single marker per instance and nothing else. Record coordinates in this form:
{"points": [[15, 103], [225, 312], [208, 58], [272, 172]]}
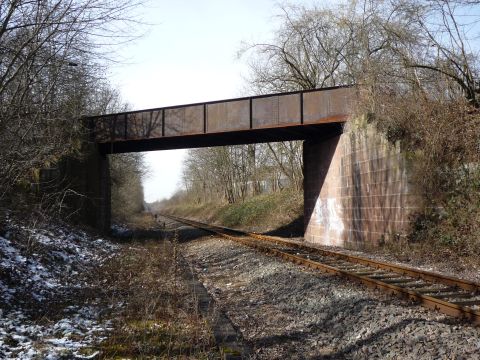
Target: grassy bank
{"points": [[264, 212]]}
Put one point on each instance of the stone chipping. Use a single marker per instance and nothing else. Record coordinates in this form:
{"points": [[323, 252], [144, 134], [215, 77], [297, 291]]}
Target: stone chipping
{"points": [[287, 311]]}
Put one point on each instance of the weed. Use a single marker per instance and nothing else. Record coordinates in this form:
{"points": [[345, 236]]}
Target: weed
{"points": [[159, 318]]}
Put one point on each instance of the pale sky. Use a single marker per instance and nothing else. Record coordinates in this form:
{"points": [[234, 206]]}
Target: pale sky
{"points": [[189, 55]]}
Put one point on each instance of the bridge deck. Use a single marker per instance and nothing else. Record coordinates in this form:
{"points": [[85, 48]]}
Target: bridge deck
{"points": [[272, 117]]}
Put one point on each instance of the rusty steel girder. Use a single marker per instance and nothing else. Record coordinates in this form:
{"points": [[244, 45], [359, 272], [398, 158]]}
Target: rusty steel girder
{"points": [[290, 111]]}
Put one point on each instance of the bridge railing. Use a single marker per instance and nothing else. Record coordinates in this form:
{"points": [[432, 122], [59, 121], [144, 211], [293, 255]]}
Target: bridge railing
{"points": [[258, 112]]}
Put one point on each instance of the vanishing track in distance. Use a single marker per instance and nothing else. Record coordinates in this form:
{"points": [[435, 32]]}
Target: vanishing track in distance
{"points": [[449, 295]]}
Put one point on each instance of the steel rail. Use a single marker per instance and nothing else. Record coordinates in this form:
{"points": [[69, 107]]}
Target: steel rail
{"points": [[400, 269], [387, 282]]}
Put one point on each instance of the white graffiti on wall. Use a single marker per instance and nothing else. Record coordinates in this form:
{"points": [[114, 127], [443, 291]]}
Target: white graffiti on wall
{"points": [[327, 213]]}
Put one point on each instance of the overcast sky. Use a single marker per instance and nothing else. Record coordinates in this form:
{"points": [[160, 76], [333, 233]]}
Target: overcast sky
{"points": [[189, 55]]}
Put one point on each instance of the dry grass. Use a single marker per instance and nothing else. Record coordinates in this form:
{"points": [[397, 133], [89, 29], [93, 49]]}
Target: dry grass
{"points": [[158, 318], [430, 253], [142, 221], [259, 213], [203, 211], [440, 138]]}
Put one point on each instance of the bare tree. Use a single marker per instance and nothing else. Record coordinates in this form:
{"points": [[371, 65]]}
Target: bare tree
{"points": [[126, 173], [289, 159], [52, 59], [310, 51], [443, 48], [233, 173]]}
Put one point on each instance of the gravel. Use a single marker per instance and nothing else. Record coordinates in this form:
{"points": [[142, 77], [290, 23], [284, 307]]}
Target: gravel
{"points": [[448, 267], [286, 311]]}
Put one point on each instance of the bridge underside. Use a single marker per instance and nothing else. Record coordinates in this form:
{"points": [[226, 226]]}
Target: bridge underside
{"points": [[303, 132]]}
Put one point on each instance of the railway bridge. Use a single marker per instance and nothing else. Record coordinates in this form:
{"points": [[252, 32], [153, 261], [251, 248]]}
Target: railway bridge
{"points": [[355, 185]]}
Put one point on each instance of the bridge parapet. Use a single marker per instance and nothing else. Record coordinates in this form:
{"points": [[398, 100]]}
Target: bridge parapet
{"points": [[272, 111]]}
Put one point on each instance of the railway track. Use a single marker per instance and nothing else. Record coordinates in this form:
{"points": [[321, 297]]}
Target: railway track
{"points": [[449, 295]]}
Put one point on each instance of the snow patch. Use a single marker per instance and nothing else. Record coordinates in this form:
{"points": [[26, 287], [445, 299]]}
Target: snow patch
{"points": [[36, 266]]}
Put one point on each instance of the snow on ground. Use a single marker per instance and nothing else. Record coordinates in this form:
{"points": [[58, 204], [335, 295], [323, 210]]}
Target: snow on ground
{"points": [[42, 271], [121, 230]]}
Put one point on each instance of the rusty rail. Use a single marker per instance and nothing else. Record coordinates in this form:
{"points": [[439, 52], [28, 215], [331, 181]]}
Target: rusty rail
{"points": [[449, 295]]}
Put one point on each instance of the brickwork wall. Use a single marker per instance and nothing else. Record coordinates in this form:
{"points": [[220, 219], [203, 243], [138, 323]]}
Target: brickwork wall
{"points": [[357, 191], [89, 178]]}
